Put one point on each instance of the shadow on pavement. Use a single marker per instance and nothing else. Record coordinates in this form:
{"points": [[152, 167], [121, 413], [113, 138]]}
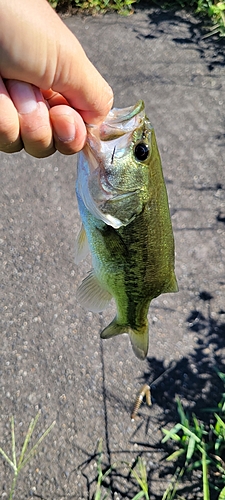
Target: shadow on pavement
{"points": [[194, 380], [185, 98], [198, 30]]}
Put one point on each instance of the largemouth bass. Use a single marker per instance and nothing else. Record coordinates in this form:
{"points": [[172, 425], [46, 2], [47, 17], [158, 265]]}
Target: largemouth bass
{"points": [[126, 223]]}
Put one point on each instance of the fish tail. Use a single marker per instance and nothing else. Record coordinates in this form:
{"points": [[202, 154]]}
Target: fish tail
{"points": [[138, 337], [139, 341]]}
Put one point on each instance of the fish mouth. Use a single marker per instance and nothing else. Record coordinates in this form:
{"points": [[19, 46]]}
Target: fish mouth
{"points": [[122, 121], [118, 115], [113, 135], [119, 122]]}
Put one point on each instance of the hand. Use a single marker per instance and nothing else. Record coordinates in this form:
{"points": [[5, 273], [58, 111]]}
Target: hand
{"points": [[48, 87]]}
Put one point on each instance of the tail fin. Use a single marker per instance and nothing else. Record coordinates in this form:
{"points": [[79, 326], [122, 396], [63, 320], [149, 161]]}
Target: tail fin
{"points": [[138, 338]]}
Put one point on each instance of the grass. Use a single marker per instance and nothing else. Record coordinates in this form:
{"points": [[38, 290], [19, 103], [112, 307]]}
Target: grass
{"points": [[25, 455], [216, 12], [123, 7], [197, 447], [139, 473], [200, 447], [213, 10], [101, 476]]}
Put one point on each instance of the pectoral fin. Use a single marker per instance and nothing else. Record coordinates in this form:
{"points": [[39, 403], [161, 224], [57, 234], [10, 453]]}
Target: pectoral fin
{"points": [[91, 295], [138, 338], [81, 246]]}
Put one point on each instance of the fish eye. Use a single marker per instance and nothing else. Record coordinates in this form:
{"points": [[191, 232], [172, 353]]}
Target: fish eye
{"points": [[141, 151]]}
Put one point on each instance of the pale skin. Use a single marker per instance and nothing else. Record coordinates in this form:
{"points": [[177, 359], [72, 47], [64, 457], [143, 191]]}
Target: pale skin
{"points": [[48, 87]]}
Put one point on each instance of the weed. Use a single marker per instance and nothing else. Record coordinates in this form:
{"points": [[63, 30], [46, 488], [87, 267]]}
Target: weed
{"points": [[201, 447], [101, 476], [216, 11], [213, 9], [140, 474], [24, 456], [121, 6]]}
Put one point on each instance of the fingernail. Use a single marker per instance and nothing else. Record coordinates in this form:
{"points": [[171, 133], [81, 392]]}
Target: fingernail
{"points": [[64, 128], [23, 97]]}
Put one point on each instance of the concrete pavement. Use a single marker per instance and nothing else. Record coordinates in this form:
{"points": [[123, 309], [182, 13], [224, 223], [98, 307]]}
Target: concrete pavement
{"points": [[52, 358]]}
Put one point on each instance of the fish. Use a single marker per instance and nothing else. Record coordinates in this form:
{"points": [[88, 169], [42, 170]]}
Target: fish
{"points": [[126, 224]]}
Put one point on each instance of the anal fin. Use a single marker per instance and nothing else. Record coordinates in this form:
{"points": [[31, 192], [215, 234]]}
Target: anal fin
{"points": [[91, 295]]}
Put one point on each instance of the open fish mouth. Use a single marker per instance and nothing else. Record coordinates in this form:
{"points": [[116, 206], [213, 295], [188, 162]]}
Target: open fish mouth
{"points": [[113, 137], [122, 121], [119, 116], [118, 123]]}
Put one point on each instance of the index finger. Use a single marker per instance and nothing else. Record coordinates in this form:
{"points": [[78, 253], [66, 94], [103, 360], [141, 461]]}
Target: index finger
{"points": [[81, 84]]}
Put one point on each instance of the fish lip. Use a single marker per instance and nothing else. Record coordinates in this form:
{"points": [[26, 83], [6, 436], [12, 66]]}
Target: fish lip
{"points": [[117, 115], [119, 122], [115, 133]]}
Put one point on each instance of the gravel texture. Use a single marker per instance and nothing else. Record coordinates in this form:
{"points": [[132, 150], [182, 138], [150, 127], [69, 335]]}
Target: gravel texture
{"points": [[52, 358]]}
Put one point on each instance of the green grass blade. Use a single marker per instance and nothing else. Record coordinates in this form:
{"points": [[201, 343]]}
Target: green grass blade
{"points": [[172, 434], [27, 439], [170, 492], [13, 443], [101, 476], [220, 422], [33, 450], [138, 479], [22, 460], [191, 434], [13, 487], [206, 493], [7, 459], [183, 416], [141, 494], [222, 494], [141, 478], [175, 455], [191, 448]]}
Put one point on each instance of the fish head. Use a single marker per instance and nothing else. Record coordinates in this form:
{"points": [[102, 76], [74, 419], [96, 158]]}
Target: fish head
{"points": [[114, 168]]}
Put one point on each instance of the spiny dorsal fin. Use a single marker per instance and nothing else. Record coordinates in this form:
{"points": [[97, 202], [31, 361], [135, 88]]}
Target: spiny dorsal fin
{"points": [[91, 295], [81, 246]]}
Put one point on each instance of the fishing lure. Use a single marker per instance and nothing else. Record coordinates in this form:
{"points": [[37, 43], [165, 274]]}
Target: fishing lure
{"points": [[145, 391]]}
